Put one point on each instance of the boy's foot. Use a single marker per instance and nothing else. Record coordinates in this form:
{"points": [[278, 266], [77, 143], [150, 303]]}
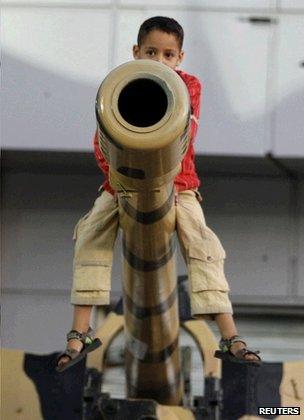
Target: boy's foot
{"points": [[79, 345], [72, 345], [238, 347], [235, 350]]}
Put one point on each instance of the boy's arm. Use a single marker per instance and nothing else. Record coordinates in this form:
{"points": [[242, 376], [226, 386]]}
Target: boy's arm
{"points": [[195, 89]]}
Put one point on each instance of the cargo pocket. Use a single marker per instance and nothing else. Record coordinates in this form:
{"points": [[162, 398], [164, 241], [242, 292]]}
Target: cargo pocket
{"points": [[92, 277], [206, 263]]}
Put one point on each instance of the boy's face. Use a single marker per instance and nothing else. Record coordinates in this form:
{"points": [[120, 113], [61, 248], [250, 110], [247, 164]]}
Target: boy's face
{"points": [[160, 46]]}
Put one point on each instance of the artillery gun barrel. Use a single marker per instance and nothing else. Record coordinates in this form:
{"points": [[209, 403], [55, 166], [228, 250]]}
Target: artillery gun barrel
{"points": [[143, 119]]}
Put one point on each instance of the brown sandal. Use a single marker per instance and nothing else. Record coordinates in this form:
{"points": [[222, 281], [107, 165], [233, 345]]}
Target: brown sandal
{"points": [[239, 357], [75, 356]]}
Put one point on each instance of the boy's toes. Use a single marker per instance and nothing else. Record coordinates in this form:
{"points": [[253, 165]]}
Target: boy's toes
{"points": [[240, 351], [63, 360], [74, 347], [251, 357]]}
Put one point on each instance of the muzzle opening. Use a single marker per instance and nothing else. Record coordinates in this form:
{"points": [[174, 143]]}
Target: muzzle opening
{"points": [[142, 103]]}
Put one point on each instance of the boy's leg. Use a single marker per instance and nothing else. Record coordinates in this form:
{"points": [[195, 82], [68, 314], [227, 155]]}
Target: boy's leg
{"points": [[95, 235], [228, 329], [81, 323], [204, 256]]}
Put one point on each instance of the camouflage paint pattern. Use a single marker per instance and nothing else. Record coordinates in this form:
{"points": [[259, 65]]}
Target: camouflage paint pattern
{"points": [[143, 162]]}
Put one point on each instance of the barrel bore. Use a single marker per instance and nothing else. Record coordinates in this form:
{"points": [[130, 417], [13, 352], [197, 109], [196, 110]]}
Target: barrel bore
{"points": [[142, 102]]}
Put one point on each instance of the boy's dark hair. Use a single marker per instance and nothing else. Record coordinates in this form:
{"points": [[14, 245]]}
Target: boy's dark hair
{"points": [[162, 23]]}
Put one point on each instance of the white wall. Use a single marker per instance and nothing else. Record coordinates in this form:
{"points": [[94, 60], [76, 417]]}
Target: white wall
{"points": [[55, 55]]}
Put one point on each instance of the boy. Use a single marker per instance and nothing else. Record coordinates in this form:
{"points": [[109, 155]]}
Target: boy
{"points": [[161, 39]]}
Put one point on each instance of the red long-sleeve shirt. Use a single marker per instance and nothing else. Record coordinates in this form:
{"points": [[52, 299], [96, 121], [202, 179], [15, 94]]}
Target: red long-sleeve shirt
{"points": [[187, 179]]}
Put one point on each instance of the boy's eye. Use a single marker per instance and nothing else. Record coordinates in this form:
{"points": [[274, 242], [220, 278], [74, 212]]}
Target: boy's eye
{"points": [[169, 55], [150, 52]]}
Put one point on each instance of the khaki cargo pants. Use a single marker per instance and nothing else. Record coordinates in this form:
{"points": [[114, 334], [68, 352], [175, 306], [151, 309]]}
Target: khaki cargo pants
{"points": [[204, 255]]}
